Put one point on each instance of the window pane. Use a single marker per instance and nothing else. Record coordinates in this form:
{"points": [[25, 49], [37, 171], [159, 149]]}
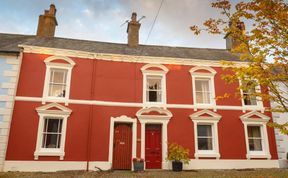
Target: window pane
{"points": [[154, 82], [59, 76], [205, 144], [255, 144], [202, 97], [202, 85], [254, 131], [57, 90], [204, 130], [154, 96]]}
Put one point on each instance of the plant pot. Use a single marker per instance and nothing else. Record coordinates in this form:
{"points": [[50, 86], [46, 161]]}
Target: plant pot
{"points": [[138, 166], [177, 166]]}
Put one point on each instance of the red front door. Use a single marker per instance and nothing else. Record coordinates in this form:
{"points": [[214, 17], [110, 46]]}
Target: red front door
{"points": [[153, 146], [122, 146]]}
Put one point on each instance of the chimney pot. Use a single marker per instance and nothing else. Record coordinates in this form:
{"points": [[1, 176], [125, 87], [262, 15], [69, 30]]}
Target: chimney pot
{"points": [[47, 23]]}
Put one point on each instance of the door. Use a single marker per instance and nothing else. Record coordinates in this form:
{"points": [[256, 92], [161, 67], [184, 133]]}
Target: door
{"points": [[153, 146], [122, 146]]}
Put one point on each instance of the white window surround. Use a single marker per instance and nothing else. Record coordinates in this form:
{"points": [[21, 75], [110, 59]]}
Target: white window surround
{"points": [[261, 120], [163, 119], [46, 112], [122, 119], [162, 73], [259, 105], [210, 76], [212, 119], [68, 65]]}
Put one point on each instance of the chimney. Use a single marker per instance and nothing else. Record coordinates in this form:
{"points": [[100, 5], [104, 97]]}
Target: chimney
{"points": [[133, 31], [232, 42], [47, 23]]}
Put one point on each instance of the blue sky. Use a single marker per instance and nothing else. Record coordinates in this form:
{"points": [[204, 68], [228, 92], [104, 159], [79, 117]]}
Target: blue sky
{"points": [[100, 20]]}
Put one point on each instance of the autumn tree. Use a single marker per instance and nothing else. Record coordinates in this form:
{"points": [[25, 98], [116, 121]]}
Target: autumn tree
{"points": [[263, 47]]}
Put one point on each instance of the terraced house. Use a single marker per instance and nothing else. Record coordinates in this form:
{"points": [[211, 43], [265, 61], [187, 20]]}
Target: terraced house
{"points": [[88, 105]]}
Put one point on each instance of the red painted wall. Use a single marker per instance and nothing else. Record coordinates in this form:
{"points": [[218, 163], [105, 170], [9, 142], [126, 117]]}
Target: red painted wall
{"points": [[121, 82]]}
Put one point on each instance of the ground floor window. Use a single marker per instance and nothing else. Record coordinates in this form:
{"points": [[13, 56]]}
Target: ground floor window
{"points": [[52, 132], [205, 137], [255, 138]]}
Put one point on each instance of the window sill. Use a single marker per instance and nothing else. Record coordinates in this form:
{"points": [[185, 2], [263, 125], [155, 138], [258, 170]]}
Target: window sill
{"points": [[206, 154], [49, 152], [258, 155]]}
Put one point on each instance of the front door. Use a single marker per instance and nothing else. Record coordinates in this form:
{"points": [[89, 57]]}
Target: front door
{"points": [[122, 146], [153, 146]]}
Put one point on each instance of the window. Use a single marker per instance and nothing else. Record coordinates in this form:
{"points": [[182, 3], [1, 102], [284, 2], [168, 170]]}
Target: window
{"points": [[256, 136], [57, 82], [154, 84], [154, 89], [203, 90], [51, 130], [57, 79], [206, 134], [203, 86], [247, 97], [52, 133]]}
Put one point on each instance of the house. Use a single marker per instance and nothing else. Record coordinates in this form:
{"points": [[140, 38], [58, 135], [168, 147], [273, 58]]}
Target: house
{"points": [[95, 105]]}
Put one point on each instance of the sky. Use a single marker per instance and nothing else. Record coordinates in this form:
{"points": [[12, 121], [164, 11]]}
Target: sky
{"points": [[100, 20]]}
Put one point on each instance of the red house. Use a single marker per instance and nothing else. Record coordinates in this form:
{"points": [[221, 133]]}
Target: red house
{"points": [[89, 105]]}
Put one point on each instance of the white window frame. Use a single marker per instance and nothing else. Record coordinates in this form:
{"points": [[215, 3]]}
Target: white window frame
{"points": [[68, 65], [259, 102], [261, 120], [162, 73], [212, 120], [210, 74], [44, 112]]}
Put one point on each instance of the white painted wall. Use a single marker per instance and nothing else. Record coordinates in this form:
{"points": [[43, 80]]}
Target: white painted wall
{"points": [[281, 139], [9, 72]]}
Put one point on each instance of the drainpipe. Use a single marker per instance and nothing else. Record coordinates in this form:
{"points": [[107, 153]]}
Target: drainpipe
{"points": [[89, 131]]}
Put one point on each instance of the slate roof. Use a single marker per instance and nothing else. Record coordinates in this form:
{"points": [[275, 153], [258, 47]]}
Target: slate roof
{"points": [[9, 44]]}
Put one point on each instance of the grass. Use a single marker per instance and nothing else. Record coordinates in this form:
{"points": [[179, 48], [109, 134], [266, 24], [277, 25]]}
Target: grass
{"points": [[244, 173]]}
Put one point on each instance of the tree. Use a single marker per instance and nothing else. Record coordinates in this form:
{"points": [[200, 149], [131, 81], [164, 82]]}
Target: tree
{"points": [[263, 48]]}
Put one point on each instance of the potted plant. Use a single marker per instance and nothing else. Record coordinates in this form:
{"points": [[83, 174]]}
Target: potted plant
{"points": [[178, 155], [138, 164]]}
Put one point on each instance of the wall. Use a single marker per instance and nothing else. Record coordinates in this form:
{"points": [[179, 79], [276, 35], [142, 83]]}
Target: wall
{"points": [[117, 82], [281, 139], [9, 67]]}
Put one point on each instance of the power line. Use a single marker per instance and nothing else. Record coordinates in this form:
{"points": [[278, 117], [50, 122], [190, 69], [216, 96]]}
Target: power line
{"points": [[154, 22]]}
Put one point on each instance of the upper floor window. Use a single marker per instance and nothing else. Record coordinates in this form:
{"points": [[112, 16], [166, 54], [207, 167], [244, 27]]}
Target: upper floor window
{"points": [[203, 90], [154, 84], [255, 138], [203, 85], [57, 78], [154, 90], [249, 91], [57, 82]]}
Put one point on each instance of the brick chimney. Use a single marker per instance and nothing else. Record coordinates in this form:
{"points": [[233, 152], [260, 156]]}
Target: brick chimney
{"points": [[47, 23], [133, 31], [230, 41]]}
